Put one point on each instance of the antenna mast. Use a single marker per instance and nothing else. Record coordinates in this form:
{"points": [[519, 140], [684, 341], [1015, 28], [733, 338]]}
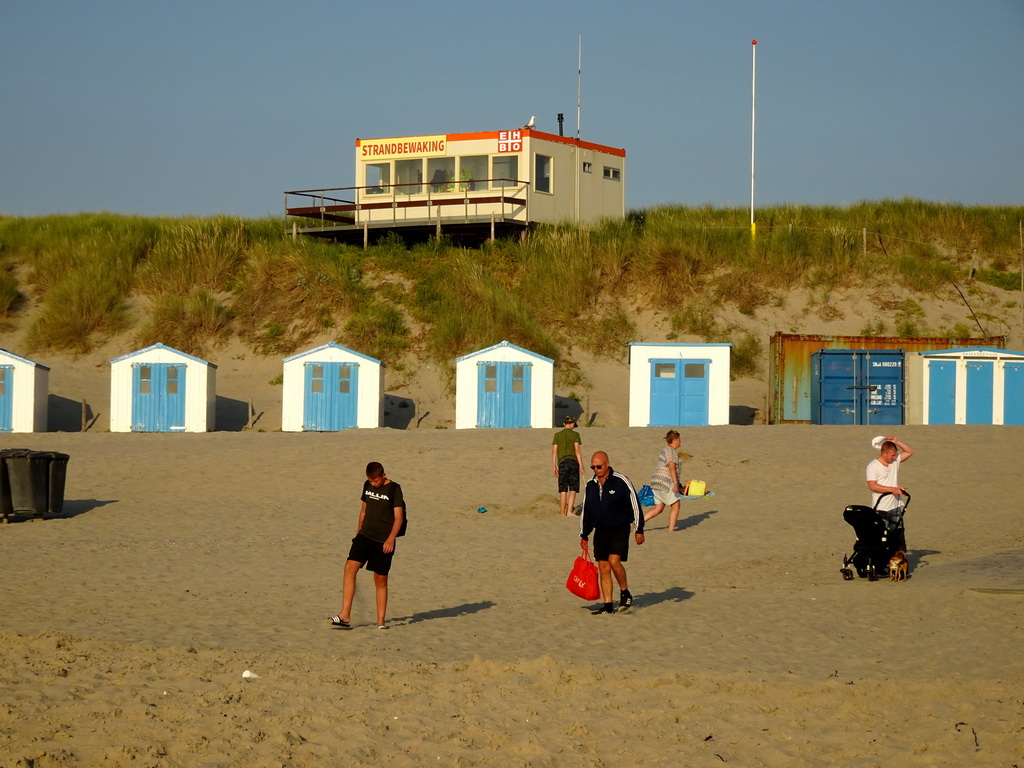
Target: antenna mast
{"points": [[579, 83]]}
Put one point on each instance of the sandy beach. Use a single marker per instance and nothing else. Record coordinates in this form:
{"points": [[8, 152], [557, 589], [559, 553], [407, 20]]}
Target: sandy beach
{"points": [[182, 561]]}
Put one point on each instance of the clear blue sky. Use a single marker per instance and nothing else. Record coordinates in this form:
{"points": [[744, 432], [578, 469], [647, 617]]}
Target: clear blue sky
{"points": [[164, 107]]}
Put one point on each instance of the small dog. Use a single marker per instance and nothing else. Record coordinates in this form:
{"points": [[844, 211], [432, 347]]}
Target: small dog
{"points": [[898, 566]]}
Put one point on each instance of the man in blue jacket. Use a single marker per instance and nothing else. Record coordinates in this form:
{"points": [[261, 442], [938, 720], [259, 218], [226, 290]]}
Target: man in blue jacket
{"points": [[610, 509]]}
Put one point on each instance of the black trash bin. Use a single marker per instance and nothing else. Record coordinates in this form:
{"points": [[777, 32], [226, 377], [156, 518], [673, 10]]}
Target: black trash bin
{"points": [[29, 473], [57, 477], [6, 506]]}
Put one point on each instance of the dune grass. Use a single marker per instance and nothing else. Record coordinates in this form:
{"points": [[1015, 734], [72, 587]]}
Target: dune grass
{"points": [[561, 288]]}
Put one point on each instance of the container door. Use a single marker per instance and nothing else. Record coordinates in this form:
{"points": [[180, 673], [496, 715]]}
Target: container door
{"points": [[331, 397], [158, 397], [882, 376], [503, 394], [1013, 393], [6, 397], [980, 377], [942, 392], [679, 393], [836, 384]]}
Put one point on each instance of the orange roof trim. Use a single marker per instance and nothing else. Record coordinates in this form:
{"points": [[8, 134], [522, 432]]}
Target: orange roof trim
{"points": [[526, 132]]}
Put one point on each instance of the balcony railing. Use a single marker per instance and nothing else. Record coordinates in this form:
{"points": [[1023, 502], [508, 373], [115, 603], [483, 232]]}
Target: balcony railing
{"points": [[470, 200]]}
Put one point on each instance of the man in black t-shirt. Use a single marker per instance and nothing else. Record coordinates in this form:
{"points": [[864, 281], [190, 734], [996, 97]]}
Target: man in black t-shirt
{"points": [[380, 520]]}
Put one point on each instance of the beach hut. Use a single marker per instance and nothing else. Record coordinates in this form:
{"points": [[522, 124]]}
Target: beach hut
{"points": [[24, 391], [504, 386], [330, 388], [976, 385], [678, 384], [160, 389]]}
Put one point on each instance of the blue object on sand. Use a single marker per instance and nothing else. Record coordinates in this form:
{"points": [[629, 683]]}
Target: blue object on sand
{"points": [[482, 510], [702, 496], [645, 496]]}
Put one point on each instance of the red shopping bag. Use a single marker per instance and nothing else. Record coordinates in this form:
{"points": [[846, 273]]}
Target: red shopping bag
{"points": [[582, 580]]}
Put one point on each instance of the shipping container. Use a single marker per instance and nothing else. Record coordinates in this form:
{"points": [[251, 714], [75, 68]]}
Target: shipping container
{"points": [[790, 374], [857, 386]]}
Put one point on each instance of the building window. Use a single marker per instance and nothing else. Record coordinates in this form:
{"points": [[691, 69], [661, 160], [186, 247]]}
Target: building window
{"points": [[612, 173], [472, 173], [542, 173], [409, 174], [587, 167], [505, 171], [378, 177], [664, 370], [441, 172]]}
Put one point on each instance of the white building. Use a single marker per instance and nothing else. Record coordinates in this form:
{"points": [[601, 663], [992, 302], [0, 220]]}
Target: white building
{"points": [[160, 389], [504, 386], [24, 394], [977, 385], [330, 388], [678, 385], [494, 182]]}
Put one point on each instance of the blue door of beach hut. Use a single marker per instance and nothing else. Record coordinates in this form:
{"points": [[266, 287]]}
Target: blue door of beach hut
{"points": [[158, 397], [942, 392], [1013, 393], [332, 392], [679, 393], [503, 395], [6, 397], [979, 391]]}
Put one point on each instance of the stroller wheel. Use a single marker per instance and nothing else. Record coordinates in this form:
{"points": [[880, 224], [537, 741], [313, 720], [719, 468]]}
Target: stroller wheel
{"points": [[847, 574]]}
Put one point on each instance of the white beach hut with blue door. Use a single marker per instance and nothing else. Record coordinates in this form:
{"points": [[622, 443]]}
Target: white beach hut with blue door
{"points": [[978, 385], [161, 389], [504, 386], [24, 393], [678, 384], [331, 388]]}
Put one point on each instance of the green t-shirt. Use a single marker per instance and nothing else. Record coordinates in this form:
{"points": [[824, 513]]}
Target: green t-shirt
{"points": [[566, 440]]}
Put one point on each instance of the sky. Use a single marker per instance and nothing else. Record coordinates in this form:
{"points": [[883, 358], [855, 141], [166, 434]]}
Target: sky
{"points": [[189, 107]]}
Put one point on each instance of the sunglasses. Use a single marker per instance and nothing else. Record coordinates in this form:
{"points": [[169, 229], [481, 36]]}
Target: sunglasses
{"points": [[598, 466]]}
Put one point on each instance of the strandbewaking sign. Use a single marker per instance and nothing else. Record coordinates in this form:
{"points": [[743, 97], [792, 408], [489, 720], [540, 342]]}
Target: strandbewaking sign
{"points": [[510, 141], [386, 149]]}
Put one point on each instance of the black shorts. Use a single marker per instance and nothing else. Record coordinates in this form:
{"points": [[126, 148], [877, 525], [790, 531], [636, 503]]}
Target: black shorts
{"points": [[366, 551], [568, 476], [613, 540]]}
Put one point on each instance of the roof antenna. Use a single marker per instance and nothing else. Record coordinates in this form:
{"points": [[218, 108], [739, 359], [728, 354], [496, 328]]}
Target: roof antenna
{"points": [[579, 83], [561, 120]]}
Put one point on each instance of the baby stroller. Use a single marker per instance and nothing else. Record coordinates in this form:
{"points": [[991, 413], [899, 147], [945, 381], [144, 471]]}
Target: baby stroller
{"points": [[879, 535]]}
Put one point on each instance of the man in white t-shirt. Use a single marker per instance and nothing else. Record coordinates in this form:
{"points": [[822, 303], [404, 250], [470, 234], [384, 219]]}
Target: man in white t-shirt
{"points": [[882, 473]]}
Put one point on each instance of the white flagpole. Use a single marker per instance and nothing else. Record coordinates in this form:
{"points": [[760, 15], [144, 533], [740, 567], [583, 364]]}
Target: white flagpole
{"points": [[753, 122]]}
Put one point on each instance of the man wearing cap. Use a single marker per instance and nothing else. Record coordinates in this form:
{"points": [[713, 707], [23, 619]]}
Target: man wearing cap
{"points": [[883, 474], [567, 462]]}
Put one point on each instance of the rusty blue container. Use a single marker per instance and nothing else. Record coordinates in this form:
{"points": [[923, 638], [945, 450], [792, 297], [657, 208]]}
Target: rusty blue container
{"points": [[790, 374], [857, 386]]}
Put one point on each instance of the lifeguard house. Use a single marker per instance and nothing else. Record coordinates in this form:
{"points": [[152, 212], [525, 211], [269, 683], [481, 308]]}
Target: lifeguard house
{"points": [[469, 186]]}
